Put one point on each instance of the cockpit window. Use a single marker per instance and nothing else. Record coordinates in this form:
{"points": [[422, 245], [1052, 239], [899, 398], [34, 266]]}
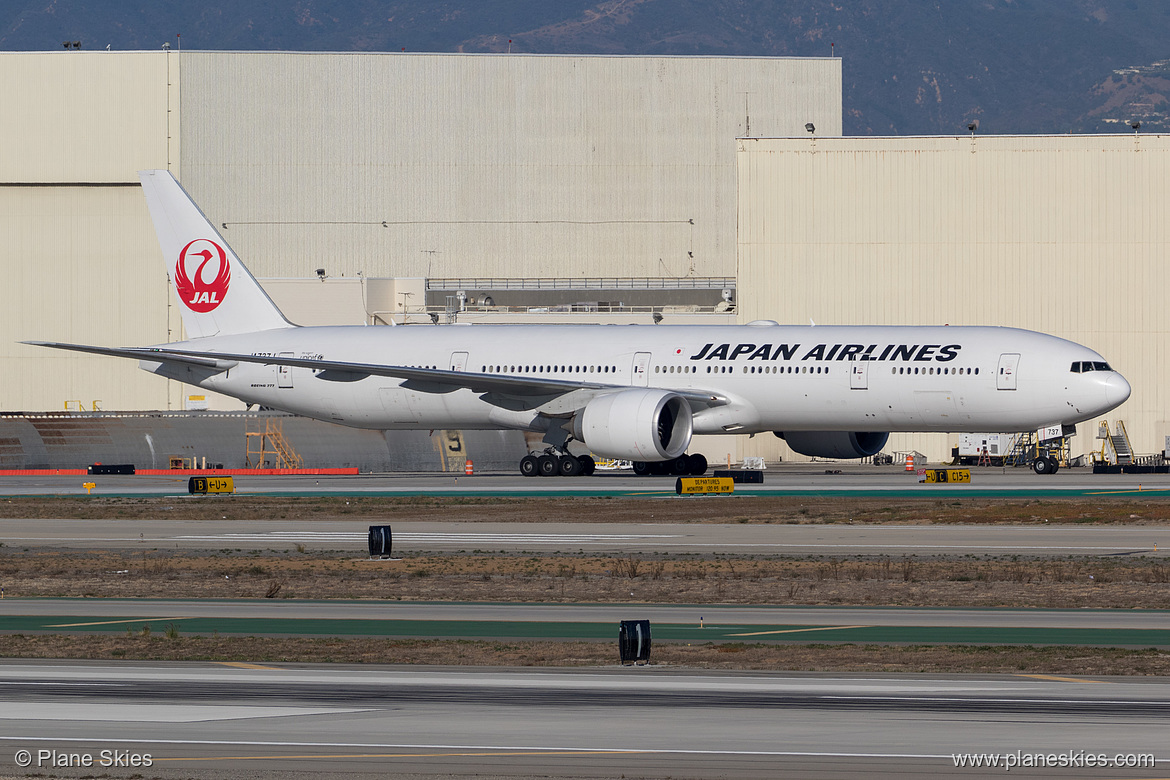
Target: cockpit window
{"points": [[1084, 366]]}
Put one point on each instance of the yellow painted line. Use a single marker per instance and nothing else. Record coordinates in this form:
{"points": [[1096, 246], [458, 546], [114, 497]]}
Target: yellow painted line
{"points": [[413, 755], [1060, 679], [1125, 492], [242, 665], [800, 630], [112, 622]]}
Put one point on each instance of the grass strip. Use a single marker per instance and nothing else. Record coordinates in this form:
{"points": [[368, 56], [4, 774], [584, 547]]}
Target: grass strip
{"points": [[949, 659]]}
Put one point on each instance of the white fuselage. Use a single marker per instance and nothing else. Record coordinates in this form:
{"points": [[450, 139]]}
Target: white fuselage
{"points": [[774, 378]]}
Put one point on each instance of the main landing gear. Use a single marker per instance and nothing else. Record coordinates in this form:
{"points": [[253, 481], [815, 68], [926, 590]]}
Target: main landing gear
{"points": [[684, 465], [554, 464]]}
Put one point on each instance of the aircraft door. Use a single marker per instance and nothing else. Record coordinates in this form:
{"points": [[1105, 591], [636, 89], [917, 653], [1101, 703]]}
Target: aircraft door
{"points": [[1005, 377], [858, 375], [284, 373], [458, 361], [641, 372]]}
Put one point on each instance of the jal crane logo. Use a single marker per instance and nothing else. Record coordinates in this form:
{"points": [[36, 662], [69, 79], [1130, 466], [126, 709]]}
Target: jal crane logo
{"points": [[195, 291]]}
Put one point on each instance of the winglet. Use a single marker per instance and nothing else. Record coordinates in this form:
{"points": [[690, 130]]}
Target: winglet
{"points": [[217, 295]]}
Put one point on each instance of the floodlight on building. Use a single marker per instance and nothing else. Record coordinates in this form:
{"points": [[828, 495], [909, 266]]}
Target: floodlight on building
{"points": [[809, 126], [321, 274], [1136, 125]]}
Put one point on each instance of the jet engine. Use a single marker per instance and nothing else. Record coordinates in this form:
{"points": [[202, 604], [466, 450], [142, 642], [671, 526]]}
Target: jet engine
{"points": [[637, 424], [835, 444]]}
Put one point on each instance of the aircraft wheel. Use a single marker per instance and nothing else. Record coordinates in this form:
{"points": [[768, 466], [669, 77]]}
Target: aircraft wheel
{"points": [[547, 465], [569, 466], [641, 468], [679, 466], [1042, 465], [529, 466], [659, 467], [1055, 465], [588, 466], [696, 465]]}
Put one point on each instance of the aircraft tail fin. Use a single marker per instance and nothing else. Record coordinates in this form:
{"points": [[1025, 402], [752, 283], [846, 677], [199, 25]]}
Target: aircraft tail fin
{"points": [[217, 295]]}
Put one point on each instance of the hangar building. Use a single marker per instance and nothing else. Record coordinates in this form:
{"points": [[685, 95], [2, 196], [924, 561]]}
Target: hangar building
{"points": [[378, 187]]}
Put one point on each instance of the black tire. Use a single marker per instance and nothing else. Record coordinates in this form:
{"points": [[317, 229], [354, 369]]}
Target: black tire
{"points": [[588, 466], [529, 466], [547, 465], [679, 466], [659, 468], [696, 465], [641, 468], [1055, 465], [568, 466], [1042, 465]]}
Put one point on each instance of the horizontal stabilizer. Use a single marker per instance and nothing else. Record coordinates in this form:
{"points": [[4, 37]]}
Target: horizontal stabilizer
{"points": [[143, 353]]}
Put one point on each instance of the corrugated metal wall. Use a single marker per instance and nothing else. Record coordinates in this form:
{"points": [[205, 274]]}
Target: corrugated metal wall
{"points": [[78, 250], [1061, 234], [73, 116], [479, 164], [485, 165]]}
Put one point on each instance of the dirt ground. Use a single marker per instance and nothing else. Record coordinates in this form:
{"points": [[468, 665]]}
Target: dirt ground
{"points": [[961, 581], [672, 509]]}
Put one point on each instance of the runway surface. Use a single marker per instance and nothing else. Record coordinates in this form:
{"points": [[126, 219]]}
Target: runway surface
{"points": [[219, 720], [246, 533], [594, 622], [786, 480]]}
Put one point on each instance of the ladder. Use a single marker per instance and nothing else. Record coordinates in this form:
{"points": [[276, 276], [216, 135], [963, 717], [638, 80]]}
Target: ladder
{"points": [[267, 441]]}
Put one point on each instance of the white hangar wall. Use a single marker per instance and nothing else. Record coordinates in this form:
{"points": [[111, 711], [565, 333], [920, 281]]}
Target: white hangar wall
{"points": [[1062, 234], [78, 251], [456, 165], [481, 165]]}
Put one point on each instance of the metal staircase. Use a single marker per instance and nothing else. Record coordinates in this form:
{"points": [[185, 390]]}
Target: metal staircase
{"points": [[270, 441], [1121, 446], [1023, 451]]}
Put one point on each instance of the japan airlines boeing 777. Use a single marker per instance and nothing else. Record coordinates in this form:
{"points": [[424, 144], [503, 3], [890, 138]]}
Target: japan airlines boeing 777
{"points": [[637, 392]]}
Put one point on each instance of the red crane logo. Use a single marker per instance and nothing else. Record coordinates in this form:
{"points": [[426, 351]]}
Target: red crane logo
{"points": [[195, 291]]}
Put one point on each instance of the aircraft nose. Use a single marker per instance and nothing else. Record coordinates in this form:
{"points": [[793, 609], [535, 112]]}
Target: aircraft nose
{"points": [[1117, 390]]}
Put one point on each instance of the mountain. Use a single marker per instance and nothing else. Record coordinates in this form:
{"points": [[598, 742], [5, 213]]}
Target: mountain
{"points": [[909, 67]]}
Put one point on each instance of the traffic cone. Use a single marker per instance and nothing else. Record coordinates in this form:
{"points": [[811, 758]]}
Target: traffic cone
{"points": [[467, 469], [910, 463]]}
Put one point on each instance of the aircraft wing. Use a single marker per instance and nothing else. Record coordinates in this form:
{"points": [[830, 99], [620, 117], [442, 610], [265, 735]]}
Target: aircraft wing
{"points": [[480, 383]]}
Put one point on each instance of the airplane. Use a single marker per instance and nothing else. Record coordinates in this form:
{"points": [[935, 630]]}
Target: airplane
{"points": [[635, 392]]}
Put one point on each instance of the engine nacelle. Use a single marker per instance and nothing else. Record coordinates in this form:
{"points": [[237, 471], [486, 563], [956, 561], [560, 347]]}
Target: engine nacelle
{"points": [[636, 424], [834, 444]]}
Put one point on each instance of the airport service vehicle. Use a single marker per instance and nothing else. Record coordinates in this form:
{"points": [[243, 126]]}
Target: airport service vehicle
{"points": [[636, 392]]}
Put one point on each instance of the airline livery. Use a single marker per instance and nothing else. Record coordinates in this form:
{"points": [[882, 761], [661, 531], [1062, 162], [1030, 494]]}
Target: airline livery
{"points": [[637, 392]]}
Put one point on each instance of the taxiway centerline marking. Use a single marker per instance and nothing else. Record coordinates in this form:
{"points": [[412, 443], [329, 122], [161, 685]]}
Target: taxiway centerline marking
{"points": [[1054, 678], [111, 622], [242, 665], [799, 630]]}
